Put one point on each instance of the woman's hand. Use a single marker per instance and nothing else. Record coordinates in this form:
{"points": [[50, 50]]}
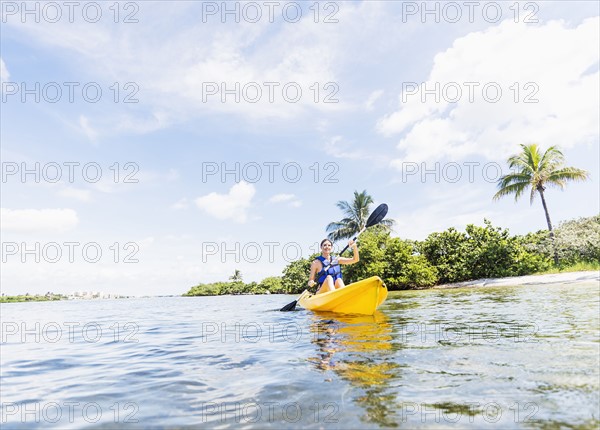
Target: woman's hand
{"points": [[355, 258], [311, 283]]}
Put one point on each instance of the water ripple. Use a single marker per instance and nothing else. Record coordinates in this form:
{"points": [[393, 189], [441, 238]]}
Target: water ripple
{"points": [[428, 359]]}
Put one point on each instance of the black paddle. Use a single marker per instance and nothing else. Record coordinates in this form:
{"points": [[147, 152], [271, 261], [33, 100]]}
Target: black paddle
{"points": [[375, 218]]}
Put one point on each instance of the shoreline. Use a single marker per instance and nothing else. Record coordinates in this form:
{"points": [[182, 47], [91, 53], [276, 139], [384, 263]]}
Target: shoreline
{"points": [[519, 281], [513, 281]]}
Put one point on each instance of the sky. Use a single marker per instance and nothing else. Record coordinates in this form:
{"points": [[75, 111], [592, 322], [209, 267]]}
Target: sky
{"points": [[149, 146]]}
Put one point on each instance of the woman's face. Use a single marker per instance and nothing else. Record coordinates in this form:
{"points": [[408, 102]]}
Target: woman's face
{"points": [[326, 247]]}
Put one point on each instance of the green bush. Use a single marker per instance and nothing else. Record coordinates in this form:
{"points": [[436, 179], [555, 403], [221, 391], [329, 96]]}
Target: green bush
{"points": [[295, 275], [213, 289], [272, 284], [418, 273], [447, 252], [577, 241], [392, 259], [480, 252], [371, 249]]}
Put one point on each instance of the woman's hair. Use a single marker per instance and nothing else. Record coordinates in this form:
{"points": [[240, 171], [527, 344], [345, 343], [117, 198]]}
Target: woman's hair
{"points": [[325, 240]]}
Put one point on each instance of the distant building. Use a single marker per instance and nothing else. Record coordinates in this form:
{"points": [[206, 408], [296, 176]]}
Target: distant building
{"points": [[91, 295]]}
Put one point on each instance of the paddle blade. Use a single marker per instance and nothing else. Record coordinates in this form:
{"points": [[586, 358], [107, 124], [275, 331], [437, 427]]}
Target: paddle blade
{"points": [[375, 218], [378, 215], [289, 307]]}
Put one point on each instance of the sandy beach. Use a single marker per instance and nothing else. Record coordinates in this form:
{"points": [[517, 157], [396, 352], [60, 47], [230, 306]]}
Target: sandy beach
{"points": [[554, 278]]}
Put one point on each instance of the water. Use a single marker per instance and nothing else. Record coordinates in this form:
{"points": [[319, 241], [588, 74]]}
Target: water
{"points": [[510, 357]]}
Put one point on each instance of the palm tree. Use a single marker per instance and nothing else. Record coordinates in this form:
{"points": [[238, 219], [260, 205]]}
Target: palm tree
{"points": [[536, 170], [356, 214], [236, 277]]}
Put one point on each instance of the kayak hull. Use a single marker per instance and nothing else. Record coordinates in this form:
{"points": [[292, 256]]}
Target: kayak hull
{"points": [[362, 297]]}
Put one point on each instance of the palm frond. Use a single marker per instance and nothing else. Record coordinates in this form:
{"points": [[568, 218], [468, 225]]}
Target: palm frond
{"points": [[551, 159], [513, 178], [341, 233], [345, 208], [519, 163], [336, 225], [355, 213], [532, 195], [567, 174], [526, 160], [516, 188]]}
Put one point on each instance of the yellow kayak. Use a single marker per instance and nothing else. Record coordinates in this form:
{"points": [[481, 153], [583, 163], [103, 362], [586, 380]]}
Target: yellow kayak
{"points": [[362, 297]]}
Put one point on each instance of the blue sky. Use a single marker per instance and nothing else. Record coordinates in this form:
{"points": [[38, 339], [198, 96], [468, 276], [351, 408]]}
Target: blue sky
{"points": [[420, 110]]}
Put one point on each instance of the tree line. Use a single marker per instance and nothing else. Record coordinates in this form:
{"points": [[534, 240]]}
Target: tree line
{"points": [[451, 256], [443, 257]]}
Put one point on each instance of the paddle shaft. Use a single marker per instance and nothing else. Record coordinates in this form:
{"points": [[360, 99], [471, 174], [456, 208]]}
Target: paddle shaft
{"points": [[353, 240]]}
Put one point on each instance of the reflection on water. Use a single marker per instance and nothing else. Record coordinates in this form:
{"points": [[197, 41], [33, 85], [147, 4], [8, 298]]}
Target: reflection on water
{"points": [[359, 350], [469, 358]]}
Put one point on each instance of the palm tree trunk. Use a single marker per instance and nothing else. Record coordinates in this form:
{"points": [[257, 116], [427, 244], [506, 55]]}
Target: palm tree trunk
{"points": [[541, 191]]}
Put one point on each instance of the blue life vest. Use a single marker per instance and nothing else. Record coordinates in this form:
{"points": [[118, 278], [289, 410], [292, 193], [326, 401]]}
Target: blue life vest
{"points": [[335, 271]]}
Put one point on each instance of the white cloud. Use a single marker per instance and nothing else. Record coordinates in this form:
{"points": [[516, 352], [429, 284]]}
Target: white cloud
{"points": [[4, 75], [76, 193], [313, 54], [107, 185], [338, 147], [38, 220], [551, 63], [373, 97], [277, 198], [180, 204], [146, 242], [87, 129], [291, 199], [233, 205], [229, 56]]}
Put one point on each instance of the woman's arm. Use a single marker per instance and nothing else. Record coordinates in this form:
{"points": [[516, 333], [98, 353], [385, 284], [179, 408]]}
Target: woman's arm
{"points": [[355, 257], [314, 267]]}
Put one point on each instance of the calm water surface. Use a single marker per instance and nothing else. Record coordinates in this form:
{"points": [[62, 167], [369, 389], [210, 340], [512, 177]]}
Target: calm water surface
{"points": [[510, 357]]}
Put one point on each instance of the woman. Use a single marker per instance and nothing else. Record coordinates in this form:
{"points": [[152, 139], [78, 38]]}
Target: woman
{"points": [[328, 268]]}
